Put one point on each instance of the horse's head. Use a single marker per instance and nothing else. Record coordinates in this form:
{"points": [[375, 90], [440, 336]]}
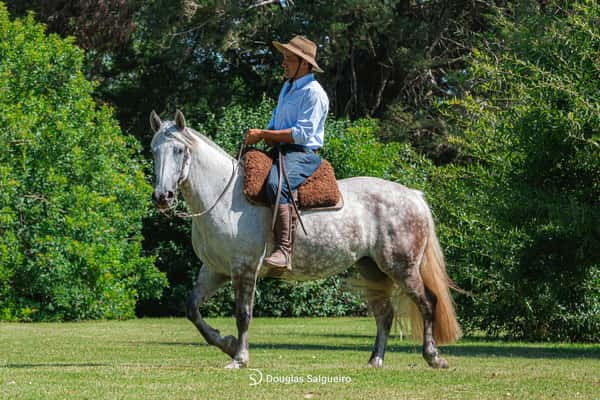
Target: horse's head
{"points": [[171, 149]]}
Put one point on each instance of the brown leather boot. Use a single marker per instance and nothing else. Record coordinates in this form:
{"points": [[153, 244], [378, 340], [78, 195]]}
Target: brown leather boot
{"points": [[282, 256]]}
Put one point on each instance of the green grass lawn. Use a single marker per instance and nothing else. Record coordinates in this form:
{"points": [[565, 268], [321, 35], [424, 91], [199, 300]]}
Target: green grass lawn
{"points": [[167, 359]]}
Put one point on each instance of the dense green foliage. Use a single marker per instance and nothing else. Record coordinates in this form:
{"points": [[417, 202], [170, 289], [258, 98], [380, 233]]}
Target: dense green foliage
{"points": [[72, 189], [531, 126]]}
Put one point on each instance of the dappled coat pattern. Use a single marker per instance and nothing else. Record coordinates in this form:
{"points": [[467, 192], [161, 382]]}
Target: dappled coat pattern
{"points": [[384, 229]]}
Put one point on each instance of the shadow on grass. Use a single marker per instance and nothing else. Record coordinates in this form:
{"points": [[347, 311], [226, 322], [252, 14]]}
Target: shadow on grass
{"points": [[54, 365], [458, 350], [520, 351]]}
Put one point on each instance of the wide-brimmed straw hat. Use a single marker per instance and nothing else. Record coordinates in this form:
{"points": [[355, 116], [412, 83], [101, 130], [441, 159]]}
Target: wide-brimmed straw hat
{"points": [[302, 47]]}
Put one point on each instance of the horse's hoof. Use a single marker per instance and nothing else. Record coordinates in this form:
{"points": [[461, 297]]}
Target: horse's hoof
{"points": [[233, 365], [438, 363], [375, 362], [443, 364], [236, 365]]}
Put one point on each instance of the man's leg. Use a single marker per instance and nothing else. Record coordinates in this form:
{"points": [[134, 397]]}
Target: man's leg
{"points": [[298, 166], [280, 258]]}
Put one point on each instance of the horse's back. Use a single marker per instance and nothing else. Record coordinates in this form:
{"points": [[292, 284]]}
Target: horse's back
{"points": [[363, 188], [367, 198]]}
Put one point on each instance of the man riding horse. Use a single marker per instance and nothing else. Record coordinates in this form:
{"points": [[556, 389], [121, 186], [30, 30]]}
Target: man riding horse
{"points": [[297, 129], [385, 230]]}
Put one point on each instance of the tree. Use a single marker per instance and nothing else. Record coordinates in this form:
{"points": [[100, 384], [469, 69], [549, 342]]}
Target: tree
{"points": [[101, 27], [72, 188]]}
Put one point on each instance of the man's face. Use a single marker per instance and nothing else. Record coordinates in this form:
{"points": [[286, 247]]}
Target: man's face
{"points": [[290, 64]]}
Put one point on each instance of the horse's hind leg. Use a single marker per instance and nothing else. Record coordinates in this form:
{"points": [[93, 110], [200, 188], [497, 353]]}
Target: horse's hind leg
{"points": [[384, 315], [426, 302], [207, 283], [379, 301], [406, 271]]}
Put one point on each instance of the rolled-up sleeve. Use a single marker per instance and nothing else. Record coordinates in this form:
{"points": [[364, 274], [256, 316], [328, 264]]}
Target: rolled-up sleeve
{"points": [[310, 115], [272, 121]]}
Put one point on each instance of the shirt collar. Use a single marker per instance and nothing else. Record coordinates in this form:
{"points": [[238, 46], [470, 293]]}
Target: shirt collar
{"points": [[298, 83]]}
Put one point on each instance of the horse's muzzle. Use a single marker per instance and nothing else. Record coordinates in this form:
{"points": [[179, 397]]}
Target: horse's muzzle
{"points": [[163, 200]]}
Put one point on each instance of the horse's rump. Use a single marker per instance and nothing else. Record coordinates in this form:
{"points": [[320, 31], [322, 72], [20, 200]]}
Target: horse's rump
{"points": [[319, 191]]}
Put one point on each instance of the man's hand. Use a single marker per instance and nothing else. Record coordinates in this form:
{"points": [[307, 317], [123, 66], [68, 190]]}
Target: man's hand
{"points": [[253, 136]]}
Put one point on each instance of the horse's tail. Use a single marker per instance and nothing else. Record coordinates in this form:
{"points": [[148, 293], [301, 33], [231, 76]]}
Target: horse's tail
{"points": [[436, 279]]}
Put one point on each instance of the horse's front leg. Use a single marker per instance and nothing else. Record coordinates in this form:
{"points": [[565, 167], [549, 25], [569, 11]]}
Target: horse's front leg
{"points": [[244, 284], [207, 283]]}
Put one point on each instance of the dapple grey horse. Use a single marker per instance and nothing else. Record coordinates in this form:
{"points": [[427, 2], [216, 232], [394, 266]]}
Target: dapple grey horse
{"points": [[384, 228]]}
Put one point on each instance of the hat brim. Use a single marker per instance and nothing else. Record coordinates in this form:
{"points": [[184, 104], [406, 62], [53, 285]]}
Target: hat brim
{"points": [[281, 47]]}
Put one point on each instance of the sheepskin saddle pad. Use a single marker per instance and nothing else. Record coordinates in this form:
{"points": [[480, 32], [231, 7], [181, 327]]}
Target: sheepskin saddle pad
{"points": [[319, 192]]}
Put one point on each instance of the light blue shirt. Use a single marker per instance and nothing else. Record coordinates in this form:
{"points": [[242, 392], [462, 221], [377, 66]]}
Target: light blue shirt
{"points": [[302, 106]]}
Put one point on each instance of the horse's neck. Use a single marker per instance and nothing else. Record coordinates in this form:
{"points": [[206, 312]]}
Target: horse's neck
{"points": [[210, 171]]}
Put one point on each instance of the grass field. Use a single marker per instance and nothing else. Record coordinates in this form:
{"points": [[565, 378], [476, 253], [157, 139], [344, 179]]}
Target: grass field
{"points": [[167, 359]]}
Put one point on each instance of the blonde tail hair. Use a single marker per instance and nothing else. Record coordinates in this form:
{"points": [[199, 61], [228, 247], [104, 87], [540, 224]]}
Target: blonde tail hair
{"points": [[436, 279]]}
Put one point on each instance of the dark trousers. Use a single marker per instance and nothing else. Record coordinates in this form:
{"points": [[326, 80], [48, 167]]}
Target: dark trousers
{"points": [[300, 163]]}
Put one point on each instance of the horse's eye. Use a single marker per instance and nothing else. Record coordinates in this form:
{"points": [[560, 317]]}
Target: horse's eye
{"points": [[178, 150]]}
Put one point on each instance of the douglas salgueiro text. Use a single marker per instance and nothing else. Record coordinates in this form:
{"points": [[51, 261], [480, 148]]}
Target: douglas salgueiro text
{"points": [[321, 379]]}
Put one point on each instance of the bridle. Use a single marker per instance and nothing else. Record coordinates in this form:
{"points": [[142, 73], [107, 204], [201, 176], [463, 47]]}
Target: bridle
{"points": [[183, 215]]}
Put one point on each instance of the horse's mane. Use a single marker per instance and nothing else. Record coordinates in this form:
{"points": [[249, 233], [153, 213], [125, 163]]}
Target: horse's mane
{"points": [[188, 137], [209, 142]]}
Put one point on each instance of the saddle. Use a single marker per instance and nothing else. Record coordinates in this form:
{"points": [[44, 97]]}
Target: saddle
{"points": [[319, 192]]}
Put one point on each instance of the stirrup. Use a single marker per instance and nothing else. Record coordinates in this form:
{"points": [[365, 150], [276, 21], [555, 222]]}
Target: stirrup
{"points": [[277, 271], [276, 267]]}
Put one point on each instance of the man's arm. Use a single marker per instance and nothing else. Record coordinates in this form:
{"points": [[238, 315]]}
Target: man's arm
{"points": [[281, 136], [270, 136]]}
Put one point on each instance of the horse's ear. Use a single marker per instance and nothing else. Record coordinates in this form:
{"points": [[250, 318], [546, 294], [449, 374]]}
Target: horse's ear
{"points": [[155, 121], [180, 120]]}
